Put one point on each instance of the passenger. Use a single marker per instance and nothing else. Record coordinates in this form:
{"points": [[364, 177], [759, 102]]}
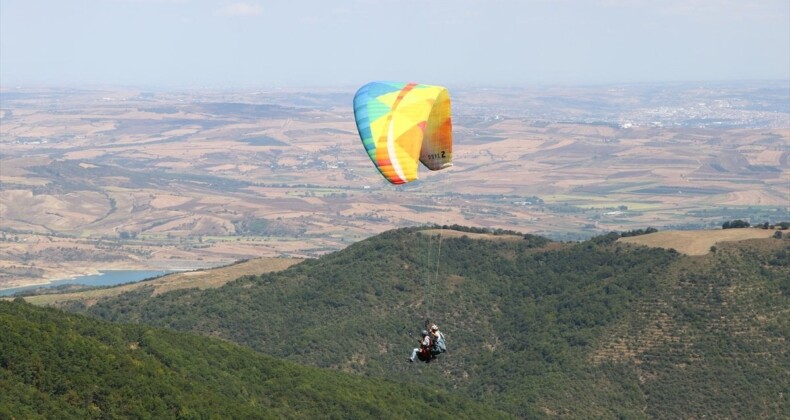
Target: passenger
{"points": [[424, 351]]}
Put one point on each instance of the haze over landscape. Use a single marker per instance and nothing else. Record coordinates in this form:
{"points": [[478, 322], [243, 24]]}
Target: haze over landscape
{"points": [[221, 44], [611, 240]]}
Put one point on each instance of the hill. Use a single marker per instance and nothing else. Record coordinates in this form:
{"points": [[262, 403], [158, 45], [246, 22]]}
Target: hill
{"points": [[597, 328], [201, 279], [696, 242], [54, 365]]}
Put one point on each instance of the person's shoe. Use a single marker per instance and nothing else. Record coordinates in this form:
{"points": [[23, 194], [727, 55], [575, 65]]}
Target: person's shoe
{"points": [[409, 360]]}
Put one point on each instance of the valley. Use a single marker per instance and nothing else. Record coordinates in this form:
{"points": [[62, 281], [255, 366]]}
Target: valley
{"points": [[132, 179]]}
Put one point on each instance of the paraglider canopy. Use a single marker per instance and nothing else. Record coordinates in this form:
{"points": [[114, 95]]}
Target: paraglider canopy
{"points": [[401, 124]]}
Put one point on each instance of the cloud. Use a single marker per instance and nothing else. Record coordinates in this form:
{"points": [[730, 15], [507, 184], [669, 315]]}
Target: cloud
{"points": [[241, 9]]}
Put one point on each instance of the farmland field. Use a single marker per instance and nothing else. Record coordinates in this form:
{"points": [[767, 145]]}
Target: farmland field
{"points": [[697, 242], [133, 179]]}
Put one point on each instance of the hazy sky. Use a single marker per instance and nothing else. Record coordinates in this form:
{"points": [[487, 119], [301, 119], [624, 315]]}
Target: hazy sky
{"points": [[205, 43]]}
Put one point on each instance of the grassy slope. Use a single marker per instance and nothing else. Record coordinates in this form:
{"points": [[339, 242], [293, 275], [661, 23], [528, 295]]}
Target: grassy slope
{"points": [[696, 242], [533, 327], [56, 365], [202, 279]]}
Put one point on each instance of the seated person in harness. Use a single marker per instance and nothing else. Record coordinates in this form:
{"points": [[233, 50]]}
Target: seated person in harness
{"points": [[438, 345], [423, 353]]}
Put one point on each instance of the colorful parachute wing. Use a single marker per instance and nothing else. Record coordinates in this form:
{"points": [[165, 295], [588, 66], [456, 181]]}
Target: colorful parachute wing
{"points": [[401, 124]]}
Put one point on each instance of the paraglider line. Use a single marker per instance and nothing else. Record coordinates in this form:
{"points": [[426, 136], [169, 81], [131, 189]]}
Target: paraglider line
{"points": [[430, 286]]}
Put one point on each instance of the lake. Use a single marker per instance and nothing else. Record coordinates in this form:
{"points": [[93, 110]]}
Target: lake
{"points": [[104, 278]]}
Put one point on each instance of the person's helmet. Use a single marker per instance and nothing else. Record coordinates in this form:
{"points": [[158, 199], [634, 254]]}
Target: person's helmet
{"points": [[424, 333], [434, 327]]}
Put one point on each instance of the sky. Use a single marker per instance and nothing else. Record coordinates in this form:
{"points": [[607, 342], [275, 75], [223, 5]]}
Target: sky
{"points": [[267, 43]]}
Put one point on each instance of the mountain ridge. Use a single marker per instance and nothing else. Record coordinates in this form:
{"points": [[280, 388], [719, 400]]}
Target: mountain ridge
{"points": [[531, 324]]}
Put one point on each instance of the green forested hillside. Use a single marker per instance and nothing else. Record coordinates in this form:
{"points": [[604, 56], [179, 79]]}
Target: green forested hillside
{"points": [[593, 329], [55, 365]]}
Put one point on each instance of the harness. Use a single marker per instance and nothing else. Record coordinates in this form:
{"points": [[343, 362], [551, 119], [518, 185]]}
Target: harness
{"points": [[426, 352]]}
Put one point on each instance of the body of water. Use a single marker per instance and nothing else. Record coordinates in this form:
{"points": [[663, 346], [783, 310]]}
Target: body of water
{"points": [[104, 278]]}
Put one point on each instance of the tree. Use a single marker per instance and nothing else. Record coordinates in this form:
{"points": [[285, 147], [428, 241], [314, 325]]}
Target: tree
{"points": [[735, 224]]}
